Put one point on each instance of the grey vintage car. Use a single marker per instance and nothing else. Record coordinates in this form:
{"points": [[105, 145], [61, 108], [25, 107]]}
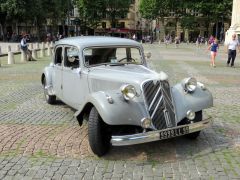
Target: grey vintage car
{"points": [[127, 103]]}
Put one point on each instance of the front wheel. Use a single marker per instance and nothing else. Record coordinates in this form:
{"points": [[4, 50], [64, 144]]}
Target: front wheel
{"points": [[98, 136], [51, 99], [198, 118]]}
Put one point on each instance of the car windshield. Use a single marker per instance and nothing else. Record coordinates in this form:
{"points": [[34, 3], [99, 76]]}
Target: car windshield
{"points": [[112, 56]]}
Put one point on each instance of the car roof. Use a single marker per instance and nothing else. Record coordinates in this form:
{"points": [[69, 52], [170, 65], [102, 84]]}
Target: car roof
{"points": [[88, 41]]}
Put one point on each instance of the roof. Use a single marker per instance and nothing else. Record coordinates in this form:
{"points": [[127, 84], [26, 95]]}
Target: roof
{"points": [[86, 41]]}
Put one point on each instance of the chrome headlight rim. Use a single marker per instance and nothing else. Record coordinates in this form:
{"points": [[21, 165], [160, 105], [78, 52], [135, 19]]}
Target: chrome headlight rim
{"points": [[146, 123], [189, 84], [128, 91]]}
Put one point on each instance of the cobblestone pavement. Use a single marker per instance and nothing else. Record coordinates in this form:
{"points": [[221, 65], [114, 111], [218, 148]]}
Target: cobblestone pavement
{"points": [[40, 141]]}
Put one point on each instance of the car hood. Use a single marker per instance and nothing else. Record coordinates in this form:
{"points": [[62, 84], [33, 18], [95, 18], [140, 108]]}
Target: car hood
{"points": [[107, 77]]}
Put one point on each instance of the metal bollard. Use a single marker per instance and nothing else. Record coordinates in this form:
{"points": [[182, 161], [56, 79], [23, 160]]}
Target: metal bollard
{"points": [[11, 59], [23, 57], [34, 54]]}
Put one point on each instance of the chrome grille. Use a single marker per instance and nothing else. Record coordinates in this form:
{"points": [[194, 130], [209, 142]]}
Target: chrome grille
{"points": [[159, 103]]}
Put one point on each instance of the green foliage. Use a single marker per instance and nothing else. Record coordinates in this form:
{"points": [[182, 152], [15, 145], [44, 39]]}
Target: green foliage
{"points": [[148, 9], [90, 11], [36, 11], [93, 11], [188, 22], [116, 9], [210, 10]]}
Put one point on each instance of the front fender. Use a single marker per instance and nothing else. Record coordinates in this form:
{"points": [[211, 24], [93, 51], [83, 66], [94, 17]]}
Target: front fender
{"points": [[196, 101], [120, 112]]}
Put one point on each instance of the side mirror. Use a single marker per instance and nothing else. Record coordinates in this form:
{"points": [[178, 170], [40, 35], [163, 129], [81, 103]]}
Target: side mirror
{"points": [[71, 58], [148, 55]]}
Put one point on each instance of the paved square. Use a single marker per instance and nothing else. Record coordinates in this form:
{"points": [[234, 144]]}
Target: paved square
{"points": [[40, 141]]}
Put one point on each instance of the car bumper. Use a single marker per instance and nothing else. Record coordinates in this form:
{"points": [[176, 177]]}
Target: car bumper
{"points": [[155, 135]]}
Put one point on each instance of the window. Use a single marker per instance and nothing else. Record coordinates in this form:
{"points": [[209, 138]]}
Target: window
{"points": [[71, 57], [112, 56], [58, 56]]}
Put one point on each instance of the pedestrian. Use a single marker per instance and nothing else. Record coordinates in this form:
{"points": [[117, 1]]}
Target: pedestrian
{"points": [[210, 40], [177, 41], [8, 36], [232, 50], [198, 41], [24, 47], [213, 48], [167, 40]]}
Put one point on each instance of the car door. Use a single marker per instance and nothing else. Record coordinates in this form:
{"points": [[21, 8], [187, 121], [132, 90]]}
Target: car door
{"points": [[57, 71], [74, 79]]}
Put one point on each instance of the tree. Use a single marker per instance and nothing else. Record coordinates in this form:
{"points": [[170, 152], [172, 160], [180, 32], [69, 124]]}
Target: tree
{"points": [[116, 9], [91, 12], [213, 10], [149, 9], [154, 9]]}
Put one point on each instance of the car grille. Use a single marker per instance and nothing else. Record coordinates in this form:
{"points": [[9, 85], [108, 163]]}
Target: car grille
{"points": [[159, 103]]}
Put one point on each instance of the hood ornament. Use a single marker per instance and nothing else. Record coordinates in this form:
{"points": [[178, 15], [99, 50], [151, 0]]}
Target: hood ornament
{"points": [[162, 76]]}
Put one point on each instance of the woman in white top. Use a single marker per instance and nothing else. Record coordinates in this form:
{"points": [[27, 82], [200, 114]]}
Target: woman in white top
{"points": [[232, 47]]}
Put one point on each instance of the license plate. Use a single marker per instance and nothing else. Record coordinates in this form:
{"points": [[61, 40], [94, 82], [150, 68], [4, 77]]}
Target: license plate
{"points": [[165, 134]]}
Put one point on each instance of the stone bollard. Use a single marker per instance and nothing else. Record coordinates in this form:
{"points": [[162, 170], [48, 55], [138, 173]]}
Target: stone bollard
{"points": [[42, 52], [8, 48], [51, 45], [30, 46], [23, 57], [11, 58], [49, 51], [43, 45], [37, 45], [34, 54], [18, 47]]}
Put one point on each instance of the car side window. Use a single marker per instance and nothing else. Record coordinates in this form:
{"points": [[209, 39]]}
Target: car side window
{"points": [[71, 58], [58, 56]]}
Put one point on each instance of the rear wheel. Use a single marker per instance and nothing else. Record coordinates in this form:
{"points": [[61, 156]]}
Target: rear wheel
{"points": [[98, 135], [198, 118], [51, 99]]}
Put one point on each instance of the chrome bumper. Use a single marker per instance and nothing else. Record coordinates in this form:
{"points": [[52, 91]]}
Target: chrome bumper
{"points": [[155, 135]]}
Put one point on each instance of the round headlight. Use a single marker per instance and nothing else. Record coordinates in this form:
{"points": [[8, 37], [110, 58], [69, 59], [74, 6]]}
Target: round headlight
{"points": [[190, 84], [191, 115], [128, 91], [146, 123]]}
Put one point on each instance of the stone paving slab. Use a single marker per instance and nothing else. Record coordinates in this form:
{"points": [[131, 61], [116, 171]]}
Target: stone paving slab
{"points": [[41, 141]]}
